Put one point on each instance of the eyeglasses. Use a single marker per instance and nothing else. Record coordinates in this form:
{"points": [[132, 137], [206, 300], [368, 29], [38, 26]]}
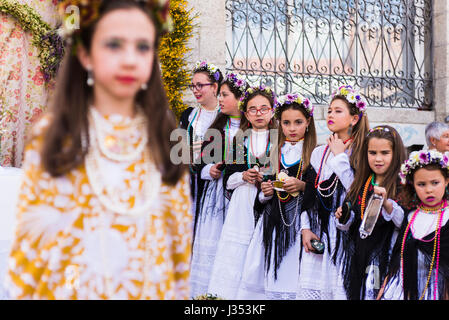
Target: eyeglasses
{"points": [[254, 111], [198, 86]]}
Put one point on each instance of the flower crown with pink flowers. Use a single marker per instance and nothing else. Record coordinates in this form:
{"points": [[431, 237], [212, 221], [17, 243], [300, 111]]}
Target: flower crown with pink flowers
{"points": [[209, 68], [237, 81], [251, 90], [293, 98], [352, 96], [419, 159], [89, 12]]}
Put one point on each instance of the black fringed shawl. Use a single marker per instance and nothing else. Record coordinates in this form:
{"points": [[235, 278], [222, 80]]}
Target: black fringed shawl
{"points": [[412, 246], [320, 208], [241, 167], [360, 253], [196, 183], [203, 185], [284, 236]]}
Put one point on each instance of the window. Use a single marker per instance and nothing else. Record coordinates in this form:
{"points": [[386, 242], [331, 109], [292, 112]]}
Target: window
{"points": [[383, 47]]}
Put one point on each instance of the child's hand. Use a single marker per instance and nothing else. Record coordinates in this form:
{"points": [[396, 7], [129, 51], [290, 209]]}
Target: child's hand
{"points": [[250, 176], [380, 191], [336, 145], [214, 172], [338, 213], [308, 236], [292, 185], [267, 188], [387, 205]]}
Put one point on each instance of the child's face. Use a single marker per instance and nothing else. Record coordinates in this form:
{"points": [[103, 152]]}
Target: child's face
{"points": [[294, 124], [430, 186], [380, 155], [228, 102], [122, 53], [339, 118], [259, 112], [207, 93]]}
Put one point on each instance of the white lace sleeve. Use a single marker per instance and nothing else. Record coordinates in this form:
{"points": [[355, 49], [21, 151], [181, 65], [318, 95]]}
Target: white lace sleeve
{"points": [[205, 173], [305, 223], [397, 215], [345, 227], [342, 168], [235, 180], [263, 198]]}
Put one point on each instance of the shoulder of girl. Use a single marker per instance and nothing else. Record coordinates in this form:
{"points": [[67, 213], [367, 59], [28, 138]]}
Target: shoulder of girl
{"points": [[41, 125], [319, 150], [187, 111], [185, 114]]}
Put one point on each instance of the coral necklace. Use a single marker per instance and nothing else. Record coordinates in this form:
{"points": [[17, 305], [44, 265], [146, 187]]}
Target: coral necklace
{"points": [[370, 180]]}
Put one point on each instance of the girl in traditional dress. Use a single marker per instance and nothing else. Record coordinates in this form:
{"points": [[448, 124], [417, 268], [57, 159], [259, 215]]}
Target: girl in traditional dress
{"points": [[196, 120], [419, 267], [333, 163], [251, 155], [214, 200], [366, 260], [103, 211], [272, 263]]}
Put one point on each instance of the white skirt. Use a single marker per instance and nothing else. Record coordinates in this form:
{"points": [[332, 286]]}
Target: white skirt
{"points": [[207, 235], [319, 277], [235, 237], [253, 275], [285, 285]]}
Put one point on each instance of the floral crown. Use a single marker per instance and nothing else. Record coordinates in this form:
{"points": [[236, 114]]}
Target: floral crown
{"points": [[88, 12], [237, 81], [292, 98], [353, 96], [251, 90], [419, 159], [380, 128], [209, 68]]}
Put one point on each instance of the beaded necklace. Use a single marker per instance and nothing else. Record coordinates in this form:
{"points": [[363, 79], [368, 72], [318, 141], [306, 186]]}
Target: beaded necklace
{"points": [[370, 180], [431, 210], [325, 156], [250, 149], [298, 175], [196, 116], [435, 253], [228, 138]]}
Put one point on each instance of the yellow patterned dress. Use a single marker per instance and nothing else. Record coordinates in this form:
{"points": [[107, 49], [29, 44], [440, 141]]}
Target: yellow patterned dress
{"points": [[69, 246]]}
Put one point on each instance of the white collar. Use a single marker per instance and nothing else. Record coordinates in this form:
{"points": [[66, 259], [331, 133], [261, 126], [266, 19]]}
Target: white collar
{"points": [[288, 146], [260, 132], [235, 121]]}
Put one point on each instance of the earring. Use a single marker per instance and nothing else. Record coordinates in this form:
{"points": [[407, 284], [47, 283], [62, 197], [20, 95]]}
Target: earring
{"points": [[307, 129], [350, 130], [90, 78], [144, 86]]}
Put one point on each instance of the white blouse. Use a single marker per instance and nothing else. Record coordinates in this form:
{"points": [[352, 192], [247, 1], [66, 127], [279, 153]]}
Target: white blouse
{"points": [[338, 164], [291, 153], [203, 120], [233, 128], [258, 146]]}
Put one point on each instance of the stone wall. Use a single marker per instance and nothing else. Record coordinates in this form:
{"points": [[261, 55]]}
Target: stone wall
{"points": [[209, 39]]}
